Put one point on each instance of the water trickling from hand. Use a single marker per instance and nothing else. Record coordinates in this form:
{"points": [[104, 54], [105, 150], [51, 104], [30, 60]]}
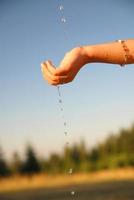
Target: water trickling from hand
{"points": [[62, 111], [63, 22]]}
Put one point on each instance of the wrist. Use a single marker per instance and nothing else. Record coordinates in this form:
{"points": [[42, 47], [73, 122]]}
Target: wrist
{"points": [[88, 54]]}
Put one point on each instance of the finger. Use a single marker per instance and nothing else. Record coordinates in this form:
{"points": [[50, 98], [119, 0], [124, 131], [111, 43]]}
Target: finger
{"points": [[48, 79], [45, 74], [43, 65], [56, 78], [61, 81], [51, 67], [53, 79], [56, 71]]}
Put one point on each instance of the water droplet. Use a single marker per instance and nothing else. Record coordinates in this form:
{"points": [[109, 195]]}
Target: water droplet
{"points": [[65, 124], [58, 88], [61, 109], [60, 101], [65, 132], [61, 7], [72, 192], [63, 20], [70, 171], [67, 143]]}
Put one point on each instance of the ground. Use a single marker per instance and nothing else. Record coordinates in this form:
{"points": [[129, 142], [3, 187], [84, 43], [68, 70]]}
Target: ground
{"points": [[113, 190]]}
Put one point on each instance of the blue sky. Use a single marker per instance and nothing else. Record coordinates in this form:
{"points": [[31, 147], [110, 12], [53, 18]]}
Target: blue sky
{"points": [[99, 101]]}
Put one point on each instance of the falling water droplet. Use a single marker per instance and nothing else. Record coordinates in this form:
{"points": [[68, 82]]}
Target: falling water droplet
{"points": [[65, 132], [58, 88], [63, 19], [61, 7], [60, 101], [72, 193], [70, 171]]}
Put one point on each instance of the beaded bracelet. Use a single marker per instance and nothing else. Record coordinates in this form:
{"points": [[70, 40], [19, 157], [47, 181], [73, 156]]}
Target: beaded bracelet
{"points": [[127, 55]]}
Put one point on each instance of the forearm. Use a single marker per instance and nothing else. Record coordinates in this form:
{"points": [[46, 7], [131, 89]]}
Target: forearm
{"points": [[110, 53]]}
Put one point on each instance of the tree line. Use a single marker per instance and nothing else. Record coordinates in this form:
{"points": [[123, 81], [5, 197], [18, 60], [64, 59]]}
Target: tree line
{"points": [[117, 150]]}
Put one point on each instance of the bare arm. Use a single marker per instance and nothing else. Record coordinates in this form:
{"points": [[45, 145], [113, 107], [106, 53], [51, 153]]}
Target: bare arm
{"points": [[114, 53], [111, 52]]}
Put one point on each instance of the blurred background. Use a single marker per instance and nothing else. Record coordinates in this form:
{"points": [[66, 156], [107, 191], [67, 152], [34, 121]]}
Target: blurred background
{"points": [[98, 104]]}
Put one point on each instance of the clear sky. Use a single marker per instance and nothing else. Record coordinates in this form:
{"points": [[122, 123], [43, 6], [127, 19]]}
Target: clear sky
{"points": [[99, 101]]}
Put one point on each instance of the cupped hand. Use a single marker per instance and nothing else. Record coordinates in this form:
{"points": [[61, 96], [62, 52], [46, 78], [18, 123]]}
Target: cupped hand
{"points": [[68, 68]]}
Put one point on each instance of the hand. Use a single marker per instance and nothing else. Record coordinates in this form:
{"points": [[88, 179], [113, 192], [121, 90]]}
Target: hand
{"points": [[69, 67]]}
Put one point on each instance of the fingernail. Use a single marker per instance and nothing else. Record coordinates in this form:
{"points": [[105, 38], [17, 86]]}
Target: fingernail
{"points": [[42, 64], [42, 68], [47, 62]]}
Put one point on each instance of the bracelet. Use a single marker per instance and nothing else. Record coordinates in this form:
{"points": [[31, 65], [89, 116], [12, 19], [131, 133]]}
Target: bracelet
{"points": [[126, 52]]}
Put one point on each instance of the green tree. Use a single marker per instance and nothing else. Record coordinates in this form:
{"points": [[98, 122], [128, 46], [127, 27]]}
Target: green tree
{"points": [[4, 169], [55, 163], [16, 163], [31, 165], [66, 159]]}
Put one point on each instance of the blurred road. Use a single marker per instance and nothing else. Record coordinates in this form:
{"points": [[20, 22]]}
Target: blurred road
{"points": [[123, 190]]}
